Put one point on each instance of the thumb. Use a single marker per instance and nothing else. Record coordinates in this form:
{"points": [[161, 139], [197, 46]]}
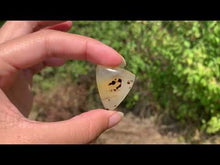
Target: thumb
{"points": [[82, 129]]}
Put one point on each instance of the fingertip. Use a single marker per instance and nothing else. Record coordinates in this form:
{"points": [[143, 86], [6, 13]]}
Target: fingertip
{"points": [[115, 118], [69, 23], [111, 116], [123, 63], [102, 54], [102, 113]]}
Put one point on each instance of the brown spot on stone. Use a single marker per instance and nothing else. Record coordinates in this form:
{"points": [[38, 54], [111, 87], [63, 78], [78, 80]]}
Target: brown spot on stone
{"points": [[112, 83], [118, 86]]}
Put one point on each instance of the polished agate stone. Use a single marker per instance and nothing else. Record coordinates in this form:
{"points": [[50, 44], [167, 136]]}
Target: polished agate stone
{"points": [[113, 84]]}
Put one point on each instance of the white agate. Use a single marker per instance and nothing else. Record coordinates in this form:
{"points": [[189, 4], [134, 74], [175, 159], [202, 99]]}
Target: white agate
{"points": [[114, 85]]}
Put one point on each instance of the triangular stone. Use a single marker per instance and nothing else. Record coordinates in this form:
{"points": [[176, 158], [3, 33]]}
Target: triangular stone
{"points": [[113, 85]]}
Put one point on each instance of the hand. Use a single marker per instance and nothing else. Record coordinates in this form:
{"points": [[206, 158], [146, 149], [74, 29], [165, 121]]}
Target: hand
{"points": [[26, 47]]}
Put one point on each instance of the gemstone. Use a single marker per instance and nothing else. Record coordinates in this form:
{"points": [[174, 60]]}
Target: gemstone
{"points": [[113, 84]]}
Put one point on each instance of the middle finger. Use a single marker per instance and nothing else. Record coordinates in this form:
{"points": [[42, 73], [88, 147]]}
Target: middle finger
{"points": [[14, 29]]}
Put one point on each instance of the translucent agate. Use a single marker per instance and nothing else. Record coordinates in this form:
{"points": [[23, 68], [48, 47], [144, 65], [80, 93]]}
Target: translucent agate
{"points": [[114, 85]]}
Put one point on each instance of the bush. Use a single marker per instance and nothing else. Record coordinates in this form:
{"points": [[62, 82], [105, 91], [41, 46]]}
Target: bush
{"points": [[185, 79]]}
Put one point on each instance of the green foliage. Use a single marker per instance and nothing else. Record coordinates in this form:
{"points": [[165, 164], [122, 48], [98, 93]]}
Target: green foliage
{"points": [[1, 23], [213, 124], [74, 69], [185, 70]]}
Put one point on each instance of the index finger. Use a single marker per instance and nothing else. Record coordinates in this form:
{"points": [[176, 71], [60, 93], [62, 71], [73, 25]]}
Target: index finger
{"points": [[33, 48]]}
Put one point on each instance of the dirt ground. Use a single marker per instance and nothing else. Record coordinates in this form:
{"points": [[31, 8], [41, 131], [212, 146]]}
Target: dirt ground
{"points": [[133, 130]]}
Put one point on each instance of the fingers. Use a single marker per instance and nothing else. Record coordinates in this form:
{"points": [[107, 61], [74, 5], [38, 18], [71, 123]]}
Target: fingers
{"points": [[80, 129], [34, 48], [14, 29], [53, 61], [7, 108]]}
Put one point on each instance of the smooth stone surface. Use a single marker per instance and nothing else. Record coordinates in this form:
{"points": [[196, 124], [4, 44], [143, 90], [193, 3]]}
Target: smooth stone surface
{"points": [[113, 85]]}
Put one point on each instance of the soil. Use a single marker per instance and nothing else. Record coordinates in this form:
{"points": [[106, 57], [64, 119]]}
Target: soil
{"points": [[134, 130]]}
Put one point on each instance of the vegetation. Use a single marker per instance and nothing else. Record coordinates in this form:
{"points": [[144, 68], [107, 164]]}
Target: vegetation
{"points": [[176, 63]]}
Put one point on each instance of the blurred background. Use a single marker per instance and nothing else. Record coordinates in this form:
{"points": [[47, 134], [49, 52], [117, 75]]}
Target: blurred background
{"points": [[175, 98]]}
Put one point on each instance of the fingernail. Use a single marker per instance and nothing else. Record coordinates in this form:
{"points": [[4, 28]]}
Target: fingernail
{"points": [[123, 63], [115, 119]]}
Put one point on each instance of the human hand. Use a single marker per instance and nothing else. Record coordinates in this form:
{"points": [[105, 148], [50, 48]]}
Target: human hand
{"points": [[26, 47]]}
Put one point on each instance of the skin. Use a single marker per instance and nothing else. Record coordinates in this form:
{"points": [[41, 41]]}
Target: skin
{"points": [[26, 47]]}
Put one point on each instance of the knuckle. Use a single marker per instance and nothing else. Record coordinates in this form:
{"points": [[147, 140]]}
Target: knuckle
{"points": [[47, 36]]}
